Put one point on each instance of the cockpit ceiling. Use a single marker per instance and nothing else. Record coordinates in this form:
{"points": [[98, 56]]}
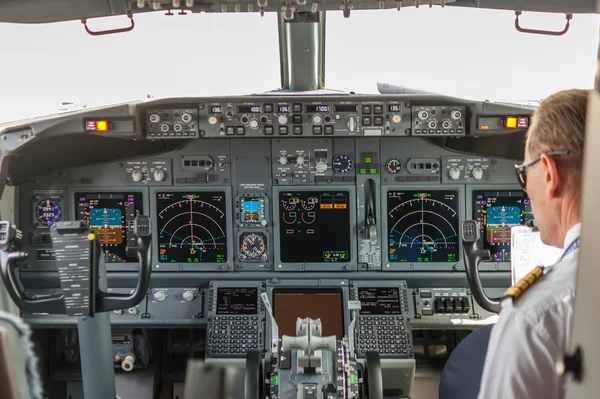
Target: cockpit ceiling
{"points": [[41, 11]]}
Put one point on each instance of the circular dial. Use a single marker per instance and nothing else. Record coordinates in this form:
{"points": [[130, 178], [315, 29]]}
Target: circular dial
{"points": [[192, 227], [423, 226], [253, 246], [342, 163], [291, 203], [47, 212], [309, 203], [393, 166]]}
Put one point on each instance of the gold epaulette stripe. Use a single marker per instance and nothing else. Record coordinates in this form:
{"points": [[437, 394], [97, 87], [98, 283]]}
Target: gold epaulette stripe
{"points": [[522, 285]]}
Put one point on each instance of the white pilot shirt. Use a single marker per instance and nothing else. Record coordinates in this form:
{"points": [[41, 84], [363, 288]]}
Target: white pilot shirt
{"points": [[532, 334]]}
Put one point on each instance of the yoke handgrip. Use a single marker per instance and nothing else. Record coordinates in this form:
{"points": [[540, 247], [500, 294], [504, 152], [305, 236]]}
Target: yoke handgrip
{"points": [[473, 256], [106, 302]]}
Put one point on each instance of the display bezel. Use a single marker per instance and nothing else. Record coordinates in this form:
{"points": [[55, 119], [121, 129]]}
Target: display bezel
{"points": [[420, 266], [192, 267], [71, 204], [315, 266], [488, 266]]}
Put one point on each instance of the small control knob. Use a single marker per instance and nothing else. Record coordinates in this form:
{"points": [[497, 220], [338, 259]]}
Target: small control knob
{"points": [[300, 160], [351, 124], [477, 173], [160, 296], [119, 312], [164, 127], [321, 167], [283, 160], [132, 311], [137, 175], [317, 119], [423, 115], [154, 118], [128, 363], [283, 120], [254, 123], [187, 118], [396, 118], [188, 296], [455, 114], [159, 175], [446, 124], [432, 124], [454, 173], [178, 127]]}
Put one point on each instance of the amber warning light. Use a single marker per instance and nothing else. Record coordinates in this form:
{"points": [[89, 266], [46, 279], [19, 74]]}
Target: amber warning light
{"points": [[516, 122], [99, 125]]}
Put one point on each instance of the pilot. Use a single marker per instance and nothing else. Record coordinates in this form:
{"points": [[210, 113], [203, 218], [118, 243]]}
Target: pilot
{"points": [[534, 325]]}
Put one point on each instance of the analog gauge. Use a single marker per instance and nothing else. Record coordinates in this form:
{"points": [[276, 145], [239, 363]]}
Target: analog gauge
{"points": [[291, 203], [310, 203], [253, 246], [47, 212], [393, 166], [342, 163]]}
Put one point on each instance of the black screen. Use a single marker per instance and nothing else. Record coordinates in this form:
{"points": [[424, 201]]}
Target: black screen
{"points": [[423, 226], [380, 300], [111, 216], [497, 212], [236, 300], [192, 227], [324, 304], [314, 226]]}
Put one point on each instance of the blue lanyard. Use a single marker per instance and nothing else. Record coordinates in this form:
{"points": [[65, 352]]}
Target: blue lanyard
{"points": [[572, 247]]}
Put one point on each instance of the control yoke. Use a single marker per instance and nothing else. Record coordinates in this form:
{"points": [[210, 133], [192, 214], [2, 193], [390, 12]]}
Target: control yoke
{"points": [[77, 251], [474, 255]]}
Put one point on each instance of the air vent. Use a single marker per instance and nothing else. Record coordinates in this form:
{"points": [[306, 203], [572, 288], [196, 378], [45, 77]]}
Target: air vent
{"points": [[197, 163]]}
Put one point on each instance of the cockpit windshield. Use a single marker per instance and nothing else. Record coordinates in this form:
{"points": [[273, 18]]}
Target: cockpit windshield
{"points": [[468, 53]]}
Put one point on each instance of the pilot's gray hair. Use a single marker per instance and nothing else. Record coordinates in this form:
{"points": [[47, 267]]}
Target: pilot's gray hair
{"points": [[559, 124]]}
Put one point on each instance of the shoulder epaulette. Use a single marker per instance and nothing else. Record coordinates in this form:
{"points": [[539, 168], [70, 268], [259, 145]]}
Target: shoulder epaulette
{"points": [[523, 285]]}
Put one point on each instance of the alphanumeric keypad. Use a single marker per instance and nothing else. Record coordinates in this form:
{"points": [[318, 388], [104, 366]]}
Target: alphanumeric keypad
{"points": [[234, 335], [388, 335]]}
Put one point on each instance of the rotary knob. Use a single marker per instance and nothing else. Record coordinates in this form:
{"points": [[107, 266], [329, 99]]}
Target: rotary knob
{"points": [[455, 114], [160, 296], [159, 175], [454, 173], [187, 118], [321, 167], [317, 119], [300, 161], [283, 120], [154, 118], [137, 175], [254, 123], [132, 311], [477, 173], [188, 296], [283, 160]]}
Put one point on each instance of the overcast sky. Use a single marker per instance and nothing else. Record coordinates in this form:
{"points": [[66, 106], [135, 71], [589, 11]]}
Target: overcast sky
{"points": [[463, 52]]}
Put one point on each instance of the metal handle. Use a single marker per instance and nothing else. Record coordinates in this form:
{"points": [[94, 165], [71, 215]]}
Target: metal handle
{"points": [[540, 31], [473, 256], [109, 31]]}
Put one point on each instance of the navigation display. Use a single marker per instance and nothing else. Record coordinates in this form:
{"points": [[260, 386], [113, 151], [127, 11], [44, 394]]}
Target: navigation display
{"points": [[380, 300], [314, 226], [236, 300], [111, 216], [192, 227], [497, 212], [423, 226]]}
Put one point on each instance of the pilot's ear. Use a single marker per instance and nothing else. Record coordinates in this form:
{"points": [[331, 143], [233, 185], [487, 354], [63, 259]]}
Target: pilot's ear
{"points": [[552, 177]]}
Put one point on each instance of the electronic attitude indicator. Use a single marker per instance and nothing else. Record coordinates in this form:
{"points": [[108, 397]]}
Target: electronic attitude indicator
{"points": [[111, 216], [47, 212], [253, 246], [314, 226], [342, 163], [423, 226], [497, 212], [192, 227], [393, 166]]}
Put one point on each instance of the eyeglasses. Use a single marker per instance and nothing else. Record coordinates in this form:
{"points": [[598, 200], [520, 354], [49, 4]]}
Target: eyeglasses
{"points": [[521, 170]]}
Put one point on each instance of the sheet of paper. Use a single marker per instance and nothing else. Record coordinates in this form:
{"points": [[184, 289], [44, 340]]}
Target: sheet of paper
{"points": [[528, 251]]}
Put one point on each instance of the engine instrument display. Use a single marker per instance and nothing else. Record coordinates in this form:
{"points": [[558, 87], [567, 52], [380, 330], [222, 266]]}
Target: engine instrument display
{"points": [[380, 300], [237, 300], [47, 211], [111, 217], [192, 227], [314, 226], [497, 212], [252, 210], [253, 246], [423, 226]]}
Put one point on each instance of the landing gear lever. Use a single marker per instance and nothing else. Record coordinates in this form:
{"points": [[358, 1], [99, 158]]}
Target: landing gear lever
{"points": [[474, 255], [370, 211]]}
